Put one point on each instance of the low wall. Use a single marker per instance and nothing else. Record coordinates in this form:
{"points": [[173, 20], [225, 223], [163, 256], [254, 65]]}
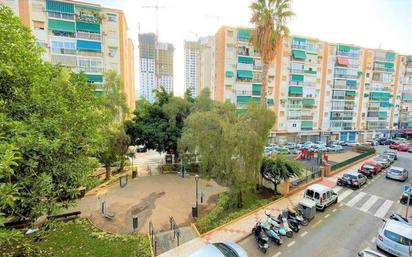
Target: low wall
{"points": [[329, 171]]}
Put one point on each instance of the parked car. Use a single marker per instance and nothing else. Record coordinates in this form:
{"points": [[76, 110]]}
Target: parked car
{"points": [[342, 143], [376, 166], [354, 179], [335, 148], [369, 253], [394, 145], [403, 147], [352, 143], [223, 249], [388, 142], [322, 195], [367, 170], [385, 158], [397, 173], [372, 142], [290, 145], [383, 162], [395, 238], [389, 156], [393, 153], [283, 150]]}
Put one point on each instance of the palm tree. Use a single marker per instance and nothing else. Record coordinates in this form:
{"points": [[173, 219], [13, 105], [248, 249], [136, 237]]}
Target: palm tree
{"points": [[269, 18], [280, 168]]}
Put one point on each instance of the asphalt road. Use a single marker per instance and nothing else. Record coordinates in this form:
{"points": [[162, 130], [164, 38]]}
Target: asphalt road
{"points": [[347, 227]]}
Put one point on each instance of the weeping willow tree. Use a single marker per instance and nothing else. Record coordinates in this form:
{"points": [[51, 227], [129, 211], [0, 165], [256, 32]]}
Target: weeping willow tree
{"points": [[269, 18]]}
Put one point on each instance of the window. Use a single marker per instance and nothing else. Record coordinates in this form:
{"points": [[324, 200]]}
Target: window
{"points": [[111, 17], [38, 25], [309, 193], [294, 125], [230, 33], [317, 196], [225, 250], [367, 75], [112, 51], [392, 236], [328, 194]]}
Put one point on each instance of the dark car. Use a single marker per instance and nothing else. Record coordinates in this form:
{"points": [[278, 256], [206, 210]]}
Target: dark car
{"points": [[367, 170], [388, 142]]}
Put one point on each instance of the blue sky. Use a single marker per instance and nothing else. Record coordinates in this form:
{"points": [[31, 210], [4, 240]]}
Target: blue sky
{"points": [[382, 24]]}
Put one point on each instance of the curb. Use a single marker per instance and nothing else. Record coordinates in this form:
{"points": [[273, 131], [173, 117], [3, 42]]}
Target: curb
{"points": [[195, 229]]}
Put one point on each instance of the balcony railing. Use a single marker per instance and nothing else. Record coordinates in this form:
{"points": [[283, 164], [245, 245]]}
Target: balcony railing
{"points": [[377, 68], [346, 87], [353, 55], [294, 117], [307, 117], [295, 106], [296, 71], [244, 66], [346, 76], [305, 47], [87, 53], [92, 69], [60, 15], [63, 51], [88, 35]]}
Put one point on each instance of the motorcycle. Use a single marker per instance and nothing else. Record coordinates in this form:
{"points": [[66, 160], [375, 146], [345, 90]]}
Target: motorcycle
{"points": [[342, 182], [278, 225], [291, 222], [298, 216], [404, 199], [271, 233], [260, 237], [396, 216]]}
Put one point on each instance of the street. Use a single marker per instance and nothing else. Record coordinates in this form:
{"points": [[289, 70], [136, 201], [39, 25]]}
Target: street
{"points": [[347, 227]]}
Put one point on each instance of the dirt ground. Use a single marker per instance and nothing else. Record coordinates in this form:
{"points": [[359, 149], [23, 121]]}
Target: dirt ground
{"points": [[151, 198], [340, 157]]}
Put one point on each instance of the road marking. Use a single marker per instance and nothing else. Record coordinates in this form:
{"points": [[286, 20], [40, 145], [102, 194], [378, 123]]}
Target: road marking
{"points": [[344, 195], [356, 199], [316, 224], [277, 254], [304, 234], [371, 201], [327, 216], [373, 240], [333, 210], [337, 188], [291, 243], [380, 213]]}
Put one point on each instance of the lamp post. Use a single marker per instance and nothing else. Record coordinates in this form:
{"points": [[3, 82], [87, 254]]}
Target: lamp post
{"points": [[197, 201]]}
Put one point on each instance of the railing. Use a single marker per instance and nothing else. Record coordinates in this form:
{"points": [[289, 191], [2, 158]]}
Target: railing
{"points": [[153, 238], [307, 117], [87, 53], [305, 47], [305, 179], [88, 35], [346, 76], [351, 160], [92, 69], [295, 106], [63, 51], [61, 15], [296, 71], [353, 55]]}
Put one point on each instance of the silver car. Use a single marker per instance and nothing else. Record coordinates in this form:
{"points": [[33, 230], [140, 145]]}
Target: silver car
{"points": [[369, 253], [389, 156], [397, 173], [223, 249], [395, 238], [384, 162]]}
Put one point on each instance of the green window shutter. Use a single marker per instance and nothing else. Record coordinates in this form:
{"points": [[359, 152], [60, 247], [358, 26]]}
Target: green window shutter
{"points": [[390, 56], [385, 104], [295, 90], [365, 95], [298, 54], [98, 93], [299, 40], [310, 72], [389, 65], [410, 58], [308, 102], [375, 95], [350, 93], [256, 89], [244, 34], [88, 27], [307, 125], [60, 25], [350, 82], [255, 99], [270, 102], [245, 74], [94, 78], [297, 77], [343, 48], [360, 73], [410, 125], [385, 96], [407, 97], [59, 7], [382, 115], [229, 74], [243, 99], [245, 59]]}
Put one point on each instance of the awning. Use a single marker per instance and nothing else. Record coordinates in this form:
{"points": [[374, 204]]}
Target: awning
{"points": [[375, 95], [343, 61], [343, 48], [308, 102], [350, 93], [407, 97], [270, 102], [255, 99], [256, 89], [298, 54], [243, 99], [89, 46], [297, 77], [244, 34], [350, 82], [390, 56], [59, 7], [229, 74], [299, 39], [385, 104], [245, 74], [295, 90], [88, 27], [383, 115], [92, 78], [385, 96], [410, 125], [389, 65], [307, 124], [60, 25]]}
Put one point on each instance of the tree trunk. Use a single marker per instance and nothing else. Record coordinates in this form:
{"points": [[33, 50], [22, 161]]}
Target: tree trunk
{"points": [[239, 200], [275, 185], [264, 84], [108, 173]]}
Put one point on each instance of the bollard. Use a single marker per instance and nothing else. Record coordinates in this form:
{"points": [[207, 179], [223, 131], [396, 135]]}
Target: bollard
{"points": [[135, 219]]}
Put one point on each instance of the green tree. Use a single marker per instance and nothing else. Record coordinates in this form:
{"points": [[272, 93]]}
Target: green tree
{"points": [[280, 168], [269, 18]]}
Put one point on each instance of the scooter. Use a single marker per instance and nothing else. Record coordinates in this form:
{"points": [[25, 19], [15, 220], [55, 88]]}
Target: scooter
{"points": [[260, 237], [277, 225], [404, 199], [396, 216], [342, 182], [270, 232], [291, 222], [298, 216]]}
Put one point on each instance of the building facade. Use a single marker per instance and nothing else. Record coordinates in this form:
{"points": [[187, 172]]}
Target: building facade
{"points": [[155, 66], [318, 90], [192, 67], [82, 36]]}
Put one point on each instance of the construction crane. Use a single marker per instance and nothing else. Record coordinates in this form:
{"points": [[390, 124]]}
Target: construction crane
{"points": [[156, 7]]}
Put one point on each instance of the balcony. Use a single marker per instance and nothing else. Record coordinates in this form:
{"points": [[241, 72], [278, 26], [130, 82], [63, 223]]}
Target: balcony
{"points": [[88, 35], [91, 69], [306, 47], [244, 66], [87, 53], [295, 106], [346, 76], [307, 117], [63, 16], [297, 71], [63, 51], [294, 117]]}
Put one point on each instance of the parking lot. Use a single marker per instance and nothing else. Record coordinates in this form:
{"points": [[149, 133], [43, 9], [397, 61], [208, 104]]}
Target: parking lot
{"points": [[350, 225]]}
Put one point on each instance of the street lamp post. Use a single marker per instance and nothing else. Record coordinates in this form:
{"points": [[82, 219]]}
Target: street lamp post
{"points": [[197, 201]]}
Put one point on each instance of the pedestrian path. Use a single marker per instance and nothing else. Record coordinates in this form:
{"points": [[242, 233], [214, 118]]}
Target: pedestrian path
{"points": [[368, 203]]}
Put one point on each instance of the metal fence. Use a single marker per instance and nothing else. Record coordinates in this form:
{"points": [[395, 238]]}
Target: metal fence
{"points": [[352, 160], [304, 180], [153, 238]]}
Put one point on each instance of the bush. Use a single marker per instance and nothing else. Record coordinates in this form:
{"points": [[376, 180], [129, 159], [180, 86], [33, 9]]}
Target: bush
{"points": [[15, 244]]}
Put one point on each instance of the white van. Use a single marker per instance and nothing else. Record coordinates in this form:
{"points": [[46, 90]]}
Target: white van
{"points": [[395, 238], [322, 195]]}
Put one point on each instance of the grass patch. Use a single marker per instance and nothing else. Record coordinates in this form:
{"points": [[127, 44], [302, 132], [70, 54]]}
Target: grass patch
{"points": [[80, 238], [224, 213]]}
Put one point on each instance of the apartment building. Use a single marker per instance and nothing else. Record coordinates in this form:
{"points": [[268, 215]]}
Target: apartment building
{"points": [[155, 66], [82, 36], [318, 90]]}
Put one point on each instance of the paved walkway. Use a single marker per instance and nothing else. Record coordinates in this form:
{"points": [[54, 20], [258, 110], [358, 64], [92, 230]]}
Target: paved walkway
{"points": [[241, 228]]}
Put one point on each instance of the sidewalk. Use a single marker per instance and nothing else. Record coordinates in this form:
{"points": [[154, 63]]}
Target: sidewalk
{"points": [[241, 228]]}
